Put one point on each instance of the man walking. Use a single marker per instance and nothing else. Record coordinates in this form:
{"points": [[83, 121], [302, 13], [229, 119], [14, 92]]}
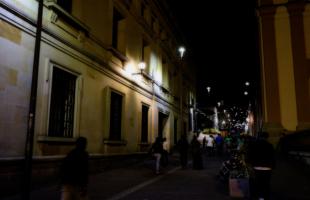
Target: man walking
{"points": [[74, 172]]}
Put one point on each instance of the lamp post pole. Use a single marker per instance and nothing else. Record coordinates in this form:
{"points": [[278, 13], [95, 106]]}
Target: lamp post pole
{"points": [[32, 107], [181, 50]]}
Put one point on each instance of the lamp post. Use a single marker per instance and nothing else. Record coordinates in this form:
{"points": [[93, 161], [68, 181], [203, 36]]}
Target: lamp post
{"points": [[32, 107], [181, 51]]}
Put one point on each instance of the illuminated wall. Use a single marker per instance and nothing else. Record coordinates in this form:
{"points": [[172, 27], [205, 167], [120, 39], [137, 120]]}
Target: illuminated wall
{"points": [[80, 43], [284, 43]]}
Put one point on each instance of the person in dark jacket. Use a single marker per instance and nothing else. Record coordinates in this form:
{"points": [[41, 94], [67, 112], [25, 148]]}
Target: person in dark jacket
{"points": [[196, 153], [262, 158], [157, 151], [74, 172], [183, 146]]}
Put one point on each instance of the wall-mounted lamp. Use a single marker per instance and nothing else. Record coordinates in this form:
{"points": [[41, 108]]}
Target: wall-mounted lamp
{"points": [[141, 67]]}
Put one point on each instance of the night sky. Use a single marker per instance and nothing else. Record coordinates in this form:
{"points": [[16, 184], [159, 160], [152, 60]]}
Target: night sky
{"points": [[221, 39]]}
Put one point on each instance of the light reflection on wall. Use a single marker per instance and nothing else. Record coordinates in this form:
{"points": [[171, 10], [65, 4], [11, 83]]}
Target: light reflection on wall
{"points": [[130, 68], [155, 68]]}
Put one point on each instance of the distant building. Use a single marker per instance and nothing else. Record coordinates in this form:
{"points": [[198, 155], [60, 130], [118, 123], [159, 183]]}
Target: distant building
{"points": [[89, 82], [285, 75]]}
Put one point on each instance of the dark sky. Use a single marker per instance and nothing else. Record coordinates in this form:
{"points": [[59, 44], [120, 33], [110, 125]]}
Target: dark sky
{"points": [[222, 41]]}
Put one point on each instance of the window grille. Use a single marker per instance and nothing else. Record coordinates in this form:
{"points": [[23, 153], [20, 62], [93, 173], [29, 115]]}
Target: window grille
{"points": [[144, 124], [117, 17], [61, 118], [116, 116]]}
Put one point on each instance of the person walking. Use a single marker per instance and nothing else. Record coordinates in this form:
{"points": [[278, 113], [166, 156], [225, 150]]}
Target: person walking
{"points": [[262, 158], [183, 146], [196, 153], [74, 172], [219, 141], [157, 151]]}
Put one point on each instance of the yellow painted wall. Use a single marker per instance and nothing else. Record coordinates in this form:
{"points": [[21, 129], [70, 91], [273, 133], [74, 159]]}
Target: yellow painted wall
{"points": [[98, 71], [287, 94]]}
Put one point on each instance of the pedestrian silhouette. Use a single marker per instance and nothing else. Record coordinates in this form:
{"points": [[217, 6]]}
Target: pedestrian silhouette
{"points": [[183, 146], [196, 153], [157, 151], [262, 158], [74, 172]]}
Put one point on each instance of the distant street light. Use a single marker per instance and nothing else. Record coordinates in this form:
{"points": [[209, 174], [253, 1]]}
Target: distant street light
{"points": [[181, 51], [208, 89], [247, 83], [246, 93]]}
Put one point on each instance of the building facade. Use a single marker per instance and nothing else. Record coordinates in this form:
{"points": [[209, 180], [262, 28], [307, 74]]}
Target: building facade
{"points": [[285, 71], [90, 79]]}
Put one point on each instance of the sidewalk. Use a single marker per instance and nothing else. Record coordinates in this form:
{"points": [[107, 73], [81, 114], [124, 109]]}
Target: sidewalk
{"points": [[109, 183], [290, 181]]}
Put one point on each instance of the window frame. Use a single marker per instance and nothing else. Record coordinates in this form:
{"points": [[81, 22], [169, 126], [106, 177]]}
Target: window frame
{"points": [[147, 123], [77, 99]]}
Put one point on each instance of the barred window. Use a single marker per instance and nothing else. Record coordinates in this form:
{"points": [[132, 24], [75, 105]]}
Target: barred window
{"points": [[62, 103], [144, 123], [116, 25], [116, 116]]}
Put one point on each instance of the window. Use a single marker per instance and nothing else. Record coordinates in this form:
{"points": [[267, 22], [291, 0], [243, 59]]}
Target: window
{"points": [[62, 103], [143, 53], [175, 131], [65, 4], [144, 123], [115, 116], [117, 17], [142, 10], [153, 23]]}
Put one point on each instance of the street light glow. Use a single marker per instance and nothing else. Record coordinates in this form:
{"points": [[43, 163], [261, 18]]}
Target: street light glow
{"points": [[208, 89], [181, 51], [141, 66], [247, 83], [246, 93]]}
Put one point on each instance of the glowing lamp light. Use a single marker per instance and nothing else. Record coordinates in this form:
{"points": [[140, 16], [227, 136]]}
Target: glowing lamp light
{"points": [[141, 66], [208, 89], [247, 83], [246, 93], [181, 51]]}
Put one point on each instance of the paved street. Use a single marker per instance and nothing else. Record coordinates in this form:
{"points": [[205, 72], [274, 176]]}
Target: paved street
{"points": [[138, 182]]}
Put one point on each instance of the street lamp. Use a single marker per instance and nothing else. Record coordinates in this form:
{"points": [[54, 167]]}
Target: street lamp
{"points": [[208, 89], [141, 66], [247, 83], [181, 51]]}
